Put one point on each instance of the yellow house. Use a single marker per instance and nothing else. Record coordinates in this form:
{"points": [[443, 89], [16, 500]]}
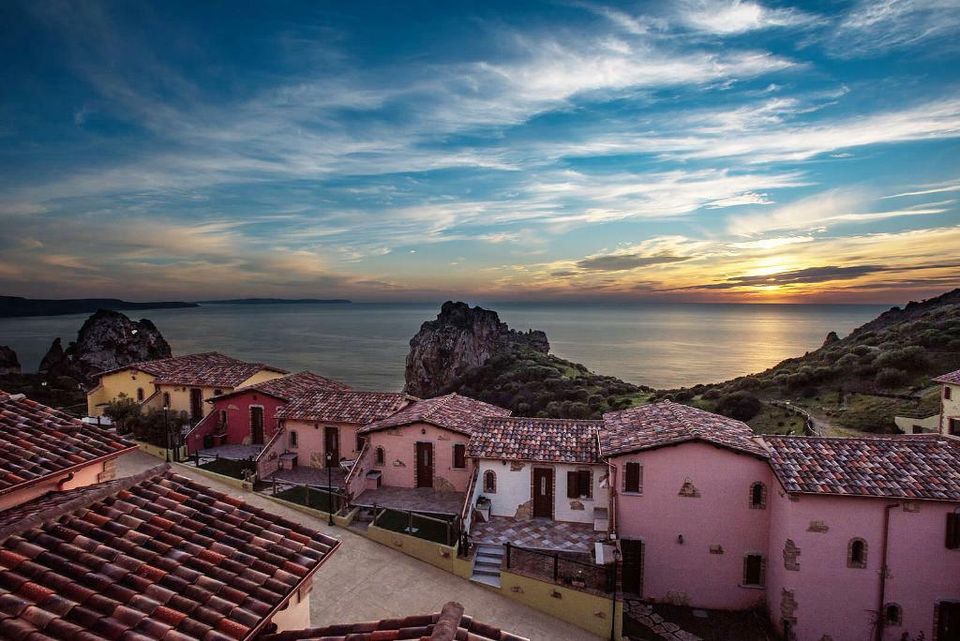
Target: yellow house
{"points": [[180, 383]]}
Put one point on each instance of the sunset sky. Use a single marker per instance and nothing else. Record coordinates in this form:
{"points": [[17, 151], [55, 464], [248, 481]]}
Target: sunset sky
{"points": [[416, 151]]}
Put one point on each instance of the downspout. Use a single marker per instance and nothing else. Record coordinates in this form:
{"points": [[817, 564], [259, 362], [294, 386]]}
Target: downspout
{"points": [[66, 479], [881, 615]]}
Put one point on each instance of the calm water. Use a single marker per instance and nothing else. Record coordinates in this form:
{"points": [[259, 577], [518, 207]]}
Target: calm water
{"points": [[662, 345]]}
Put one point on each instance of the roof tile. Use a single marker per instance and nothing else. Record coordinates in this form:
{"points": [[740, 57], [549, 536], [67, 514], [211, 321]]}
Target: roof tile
{"points": [[337, 406], [452, 411], [537, 439], [208, 369]]}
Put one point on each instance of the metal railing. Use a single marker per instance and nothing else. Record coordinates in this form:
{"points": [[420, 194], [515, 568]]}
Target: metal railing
{"points": [[323, 499], [422, 526], [561, 568]]}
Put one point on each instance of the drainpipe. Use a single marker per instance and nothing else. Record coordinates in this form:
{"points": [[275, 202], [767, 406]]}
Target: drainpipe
{"points": [[881, 615], [66, 479]]}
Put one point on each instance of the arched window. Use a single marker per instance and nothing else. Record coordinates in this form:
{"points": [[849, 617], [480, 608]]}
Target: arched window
{"points": [[758, 496], [166, 400], [140, 394], [857, 553], [380, 456], [293, 438], [893, 614], [490, 482]]}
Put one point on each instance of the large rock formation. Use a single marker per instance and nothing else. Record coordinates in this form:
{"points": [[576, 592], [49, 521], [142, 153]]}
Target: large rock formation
{"points": [[107, 340], [461, 339], [9, 363]]}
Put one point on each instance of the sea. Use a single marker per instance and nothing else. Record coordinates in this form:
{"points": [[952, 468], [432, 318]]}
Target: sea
{"points": [[663, 345]]}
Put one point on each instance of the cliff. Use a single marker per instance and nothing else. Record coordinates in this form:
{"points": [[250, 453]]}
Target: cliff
{"points": [[461, 339], [468, 350], [9, 363]]}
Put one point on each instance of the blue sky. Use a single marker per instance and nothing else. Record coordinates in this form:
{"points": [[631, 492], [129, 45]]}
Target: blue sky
{"points": [[697, 150]]}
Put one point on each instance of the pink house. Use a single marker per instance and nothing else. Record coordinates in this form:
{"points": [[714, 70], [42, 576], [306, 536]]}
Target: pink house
{"points": [[44, 450], [425, 444], [689, 493], [865, 538], [247, 415]]}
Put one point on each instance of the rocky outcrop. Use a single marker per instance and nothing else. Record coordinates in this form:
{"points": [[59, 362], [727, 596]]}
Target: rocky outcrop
{"points": [[831, 339], [461, 339], [107, 340], [9, 363]]}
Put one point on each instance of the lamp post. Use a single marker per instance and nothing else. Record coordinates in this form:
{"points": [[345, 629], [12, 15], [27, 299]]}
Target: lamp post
{"points": [[166, 431], [330, 486], [613, 616]]}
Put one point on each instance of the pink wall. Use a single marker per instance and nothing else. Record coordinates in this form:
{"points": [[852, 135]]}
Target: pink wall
{"points": [[87, 475], [310, 441], [834, 600], [238, 419], [721, 515], [399, 446]]}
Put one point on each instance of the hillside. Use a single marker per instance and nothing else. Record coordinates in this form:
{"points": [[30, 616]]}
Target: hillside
{"points": [[858, 383], [16, 306]]}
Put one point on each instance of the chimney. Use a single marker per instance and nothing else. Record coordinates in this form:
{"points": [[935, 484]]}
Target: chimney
{"points": [[448, 623]]}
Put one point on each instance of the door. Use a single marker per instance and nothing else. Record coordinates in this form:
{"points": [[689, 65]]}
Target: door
{"points": [[196, 403], [632, 568], [948, 622], [331, 445], [424, 464], [543, 492], [256, 425]]}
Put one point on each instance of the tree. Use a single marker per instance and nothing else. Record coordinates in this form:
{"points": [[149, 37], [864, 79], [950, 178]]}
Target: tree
{"points": [[124, 412], [739, 405]]}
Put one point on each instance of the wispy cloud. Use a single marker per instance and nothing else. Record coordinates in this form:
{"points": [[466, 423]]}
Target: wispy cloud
{"points": [[733, 17], [873, 28]]}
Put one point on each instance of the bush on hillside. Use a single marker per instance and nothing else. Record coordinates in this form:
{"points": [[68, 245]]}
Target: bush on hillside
{"points": [[739, 405], [891, 377]]}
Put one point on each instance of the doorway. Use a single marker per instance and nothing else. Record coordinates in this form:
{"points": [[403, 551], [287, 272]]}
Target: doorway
{"points": [[424, 453], [948, 621], [543, 492], [331, 446], [256, 425], [196, 403]]}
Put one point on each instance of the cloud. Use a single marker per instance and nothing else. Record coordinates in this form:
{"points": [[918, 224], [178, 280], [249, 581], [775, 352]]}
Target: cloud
{"points": [[623, 262], [734, 17], [873, 27], [806, 276], [746, 198]]}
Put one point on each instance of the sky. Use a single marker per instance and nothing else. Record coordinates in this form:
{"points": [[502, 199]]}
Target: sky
{"points": [[697, 150]]}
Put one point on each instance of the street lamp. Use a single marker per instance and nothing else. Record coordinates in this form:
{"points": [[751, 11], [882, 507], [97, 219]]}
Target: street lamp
{"points": [[330, 486], [166, 431], [613, 617]]}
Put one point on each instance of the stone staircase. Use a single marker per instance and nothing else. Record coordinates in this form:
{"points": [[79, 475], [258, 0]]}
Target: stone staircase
{"points": [[486, 565]]}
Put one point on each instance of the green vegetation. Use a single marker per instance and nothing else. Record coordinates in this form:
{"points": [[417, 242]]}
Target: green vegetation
{"points": [[229, 467], [437, 528], [881, 370], [312, 498], [535, 384]]}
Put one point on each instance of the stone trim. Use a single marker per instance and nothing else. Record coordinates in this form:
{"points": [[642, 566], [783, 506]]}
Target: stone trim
{"points": [[489, 475], [893, 614], [851, 562], [754, 503], [791, 553]]}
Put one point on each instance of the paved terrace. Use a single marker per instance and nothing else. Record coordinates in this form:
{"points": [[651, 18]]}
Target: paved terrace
{"points": [[421, 499], [366, 581], [312, 476], [541, 534], [232, 452]]}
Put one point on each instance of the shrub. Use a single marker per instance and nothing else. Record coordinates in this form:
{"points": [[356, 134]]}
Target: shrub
{"points": [[739, 405], [891, 377], [908, 358]]}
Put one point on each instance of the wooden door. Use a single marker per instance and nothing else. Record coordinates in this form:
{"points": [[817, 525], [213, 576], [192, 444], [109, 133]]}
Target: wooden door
{"points": [[543, 492], [632, 568], [948, 622], [424, 464], [196, 403], [256, 425], [331, 446]]}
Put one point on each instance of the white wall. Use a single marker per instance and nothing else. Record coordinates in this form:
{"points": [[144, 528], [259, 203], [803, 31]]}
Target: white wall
{"points": [[513, 489], [951, 407]]}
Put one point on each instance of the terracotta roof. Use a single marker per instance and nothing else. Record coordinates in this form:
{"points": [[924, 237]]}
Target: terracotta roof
{"points": [[151, 557], [448, 625], [537, 439], [37, 441], [348, 406], [289, 387], [952, 378], [210, 369], [669, 423], [453, 412], [911, 467]]}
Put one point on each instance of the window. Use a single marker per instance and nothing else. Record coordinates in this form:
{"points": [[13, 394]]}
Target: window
{"points": [[633, 478], [293, 438], [359, 444], [140, 394], [758, 496], [579, 484], [217, 392], [380, 456], [892, 614], [166, 400], [459, 456], [857, 554], [953, 530], [223, 418], [946, 392], [753, 570], [490, 482], [953, 426]]}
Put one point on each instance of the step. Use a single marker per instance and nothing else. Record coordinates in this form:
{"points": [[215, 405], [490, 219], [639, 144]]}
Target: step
{"points": [[486, 571], [493, 582], [493, 564], [490, 550]]}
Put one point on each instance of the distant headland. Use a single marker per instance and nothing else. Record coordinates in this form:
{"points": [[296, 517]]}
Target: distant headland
{"points": [[14, 306], [272, 301]]}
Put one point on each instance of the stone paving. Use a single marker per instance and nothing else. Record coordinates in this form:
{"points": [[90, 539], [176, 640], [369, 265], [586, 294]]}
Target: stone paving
{"points": [[644, 614], [542, 534], [420, 499], [366, 581], [313, 476], [232, 452]]}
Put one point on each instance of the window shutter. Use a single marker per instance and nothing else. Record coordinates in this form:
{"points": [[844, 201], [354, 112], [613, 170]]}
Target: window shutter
{"points": [[585, 483], [459, 455], [633, 478], [573, 485], [953, 531]]}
